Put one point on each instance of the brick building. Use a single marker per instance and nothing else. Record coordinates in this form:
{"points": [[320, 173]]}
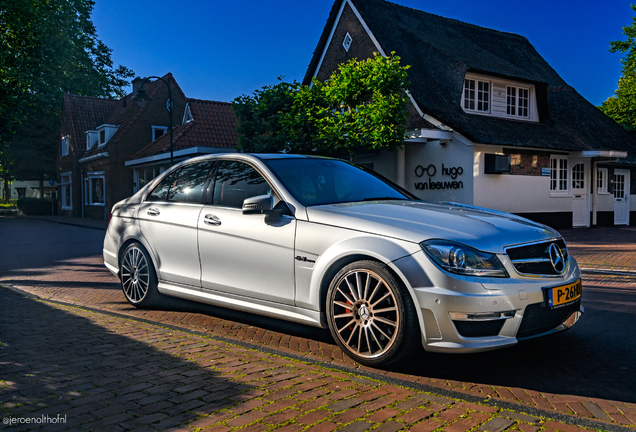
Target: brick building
{"points": [[491, 123], [207, 127], [98, 136]]}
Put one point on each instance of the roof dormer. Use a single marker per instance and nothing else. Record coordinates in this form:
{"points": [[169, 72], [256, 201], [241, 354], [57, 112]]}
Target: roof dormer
{"points": [[499, 97], [105, 132], [91, 138]]}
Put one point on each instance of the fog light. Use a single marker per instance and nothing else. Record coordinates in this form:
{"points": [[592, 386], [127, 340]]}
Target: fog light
{"points": [[481, 316]]}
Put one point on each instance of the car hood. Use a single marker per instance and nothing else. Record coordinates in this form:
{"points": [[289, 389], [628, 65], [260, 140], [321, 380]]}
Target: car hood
{"points": [[416, 221]]}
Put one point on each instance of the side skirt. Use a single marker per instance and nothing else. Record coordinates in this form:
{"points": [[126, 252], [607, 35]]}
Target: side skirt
{"points": [[244, 304]]}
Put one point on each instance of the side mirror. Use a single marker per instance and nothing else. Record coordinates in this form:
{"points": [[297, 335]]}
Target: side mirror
{"points": [[258, 204]]}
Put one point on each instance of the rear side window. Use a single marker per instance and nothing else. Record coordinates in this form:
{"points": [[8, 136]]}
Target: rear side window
{"points": [[187, 184], [236, 181], [161, 190], [184, 185]]}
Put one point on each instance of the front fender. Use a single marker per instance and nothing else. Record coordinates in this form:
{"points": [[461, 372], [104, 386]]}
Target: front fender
{"points": [[331, 248]]}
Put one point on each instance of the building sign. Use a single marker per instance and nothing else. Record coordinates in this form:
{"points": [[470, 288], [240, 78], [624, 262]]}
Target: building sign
{"points": [[431, 171]]}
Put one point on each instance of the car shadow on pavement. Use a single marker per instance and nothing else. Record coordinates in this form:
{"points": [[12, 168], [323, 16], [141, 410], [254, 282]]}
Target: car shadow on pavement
{"points": [[594, 359], [86, 370]]}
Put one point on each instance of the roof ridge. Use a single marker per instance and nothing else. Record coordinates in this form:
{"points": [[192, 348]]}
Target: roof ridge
{"points": [[89, 97], [454, 20], [208, 100]]}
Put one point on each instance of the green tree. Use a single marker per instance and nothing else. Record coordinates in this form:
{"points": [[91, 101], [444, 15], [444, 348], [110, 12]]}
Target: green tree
{"points": [[361, 106], [47, 48], [622, 106]]}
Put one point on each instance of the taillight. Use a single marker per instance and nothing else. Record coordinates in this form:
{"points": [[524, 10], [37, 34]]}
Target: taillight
{"points": [[109, 218]]}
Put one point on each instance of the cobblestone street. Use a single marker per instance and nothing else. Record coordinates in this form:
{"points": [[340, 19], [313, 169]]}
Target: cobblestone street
{"points": [[80, 350]]}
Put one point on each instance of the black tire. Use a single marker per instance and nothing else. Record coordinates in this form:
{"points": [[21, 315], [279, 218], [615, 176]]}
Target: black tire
{"points": [[138, 277], [370, 315]]}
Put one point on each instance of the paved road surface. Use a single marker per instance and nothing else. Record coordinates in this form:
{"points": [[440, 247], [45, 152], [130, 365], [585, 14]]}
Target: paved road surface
{"points": [[574, 373]]}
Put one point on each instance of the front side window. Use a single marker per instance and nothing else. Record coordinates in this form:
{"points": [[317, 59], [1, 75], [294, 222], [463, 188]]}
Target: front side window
{"points": [[517, 101], [476, 95], [559, 174], [236, 181]]}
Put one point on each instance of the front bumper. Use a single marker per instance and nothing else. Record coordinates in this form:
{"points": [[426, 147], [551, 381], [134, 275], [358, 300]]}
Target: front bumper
{"points": [[468, 314]]}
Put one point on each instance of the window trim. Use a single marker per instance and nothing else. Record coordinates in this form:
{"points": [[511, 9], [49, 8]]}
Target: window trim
{"points": [[63, 185], [517, 98], [602, 190], [89, 192], [65, 145], [346, 43], [558, 192], [477, 81], [163, 128]]}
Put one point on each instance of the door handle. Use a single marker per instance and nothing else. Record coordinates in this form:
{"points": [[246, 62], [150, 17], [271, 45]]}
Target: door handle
{"points": [[153, 212], [211, 219]]}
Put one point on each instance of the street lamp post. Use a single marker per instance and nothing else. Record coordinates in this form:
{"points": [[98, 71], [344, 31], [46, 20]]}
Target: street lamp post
{"points": [[142, 98]]}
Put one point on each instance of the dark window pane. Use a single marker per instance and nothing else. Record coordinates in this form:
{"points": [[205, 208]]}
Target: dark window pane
{"points": [[236, 181], [318, 181], [161, 190], [187, 183]]}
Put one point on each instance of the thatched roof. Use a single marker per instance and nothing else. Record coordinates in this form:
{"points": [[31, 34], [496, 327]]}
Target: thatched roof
{"points": [[441, 51]]}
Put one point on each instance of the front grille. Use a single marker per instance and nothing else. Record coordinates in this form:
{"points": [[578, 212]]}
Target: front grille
{"points": [[539, 318], [479, 328], [534, 259]]}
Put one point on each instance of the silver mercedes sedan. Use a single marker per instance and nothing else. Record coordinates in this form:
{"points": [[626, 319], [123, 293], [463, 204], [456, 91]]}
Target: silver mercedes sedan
{"points": [[328, 243]]}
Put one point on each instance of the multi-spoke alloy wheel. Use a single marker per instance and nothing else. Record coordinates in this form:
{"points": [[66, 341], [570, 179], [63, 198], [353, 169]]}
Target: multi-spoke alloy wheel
{"points": [[367, 313], [138, 279]]}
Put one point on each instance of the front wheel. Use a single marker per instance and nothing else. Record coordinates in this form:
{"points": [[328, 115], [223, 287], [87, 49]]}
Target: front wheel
{"points": [[370, 316], [138, 277]]}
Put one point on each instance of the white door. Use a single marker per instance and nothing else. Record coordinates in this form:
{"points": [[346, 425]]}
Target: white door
{"points": [[621, 197], [580, 186]]}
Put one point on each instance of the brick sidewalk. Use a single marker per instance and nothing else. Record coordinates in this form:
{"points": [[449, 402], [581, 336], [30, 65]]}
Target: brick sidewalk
{"points": [[102, 372]]}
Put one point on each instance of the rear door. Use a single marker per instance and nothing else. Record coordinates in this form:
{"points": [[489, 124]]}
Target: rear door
{"points": [[168, 220]]}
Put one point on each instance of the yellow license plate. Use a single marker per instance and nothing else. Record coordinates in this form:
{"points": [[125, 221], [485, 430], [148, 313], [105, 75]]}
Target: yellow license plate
{"points": [[561, 295]]}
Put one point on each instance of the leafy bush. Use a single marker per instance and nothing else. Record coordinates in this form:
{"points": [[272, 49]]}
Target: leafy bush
{"points": [[4, 203], [36, 206]]}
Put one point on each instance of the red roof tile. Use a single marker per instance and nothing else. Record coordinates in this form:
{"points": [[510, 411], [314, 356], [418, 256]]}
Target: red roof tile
{"points": [[123, 117], [213, 124], [85, 113]]}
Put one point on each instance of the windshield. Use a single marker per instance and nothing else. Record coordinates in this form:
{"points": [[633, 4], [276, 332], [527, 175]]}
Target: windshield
{"points": [[327, 181]]}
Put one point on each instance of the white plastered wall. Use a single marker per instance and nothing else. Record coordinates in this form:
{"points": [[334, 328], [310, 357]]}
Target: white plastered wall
{"points": [[513, 193]]}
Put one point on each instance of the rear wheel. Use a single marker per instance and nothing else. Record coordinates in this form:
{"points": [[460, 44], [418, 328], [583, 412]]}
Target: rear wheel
{"points": [[371, 317], [138, 277]]}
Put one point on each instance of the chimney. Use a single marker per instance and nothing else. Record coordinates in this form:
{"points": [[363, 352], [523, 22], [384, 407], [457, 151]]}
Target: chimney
{"points": [[136, 83]]}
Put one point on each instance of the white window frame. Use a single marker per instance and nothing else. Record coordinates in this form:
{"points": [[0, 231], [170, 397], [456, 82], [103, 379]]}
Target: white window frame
{"points": [[602, 181], [89, 191], [154, 128], [66, 179], [92, 137], [517, 99], [65, 145], [108, 130], [346, 43], [476, 93], [560, 175]]}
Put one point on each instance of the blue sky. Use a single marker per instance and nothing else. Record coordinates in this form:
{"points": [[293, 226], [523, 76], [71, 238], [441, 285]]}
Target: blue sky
{"points": [[219, 50]]}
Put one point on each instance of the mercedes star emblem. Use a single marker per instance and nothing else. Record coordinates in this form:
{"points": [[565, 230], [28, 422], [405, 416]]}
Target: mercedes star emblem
{"points": [[556, 258]]}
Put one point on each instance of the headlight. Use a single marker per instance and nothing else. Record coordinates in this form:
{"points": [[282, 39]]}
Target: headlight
{"points": [[458, 258]]}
